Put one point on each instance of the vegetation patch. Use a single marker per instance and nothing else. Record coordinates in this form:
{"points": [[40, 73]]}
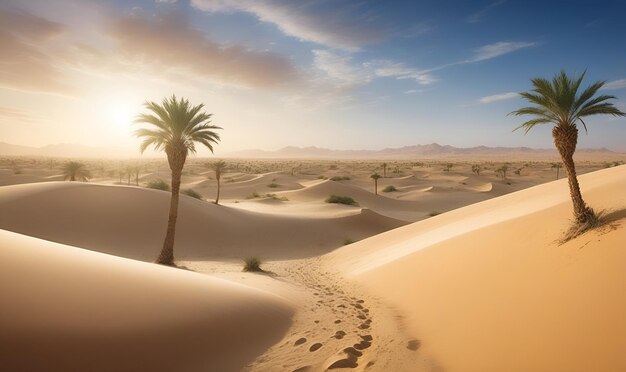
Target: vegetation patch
{"points": [[340, 178], [390, 188], [336, 199], [252, 264], [193, 193], [434, 213], [576, 228], [158, 185], [348, 241], [273, 185]]}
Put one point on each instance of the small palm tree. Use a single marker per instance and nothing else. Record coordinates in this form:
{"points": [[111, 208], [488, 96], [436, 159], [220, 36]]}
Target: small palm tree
{"points": [[385, 170], [75, 171], [558, 102], [375, 177], [558, 167], [176, 127], [476, 169], [219, 167]]}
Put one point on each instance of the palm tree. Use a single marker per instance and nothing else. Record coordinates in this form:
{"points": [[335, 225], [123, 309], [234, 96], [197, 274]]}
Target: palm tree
{"points": [[375, 177], [219, 167], [385, 170], [557, 102], [74, 170], [556, 166], [175, 127]]}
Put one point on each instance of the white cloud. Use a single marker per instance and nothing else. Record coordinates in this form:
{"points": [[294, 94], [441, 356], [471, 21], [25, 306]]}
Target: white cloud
{"points": [[341, 68], [498, 97], [477, 17], [335, 24], [385, 68], [615, 84], [497, 49]]}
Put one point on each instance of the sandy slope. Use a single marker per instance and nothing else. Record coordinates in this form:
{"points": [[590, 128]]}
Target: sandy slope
{"points": [[68, 309], [130, 222], [488, 288], [394, 204]]}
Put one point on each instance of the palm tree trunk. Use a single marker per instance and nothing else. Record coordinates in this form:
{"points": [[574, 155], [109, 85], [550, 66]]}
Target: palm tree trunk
{"points": [[176, 160], [217, 198], [376, 187], [565, 140]]}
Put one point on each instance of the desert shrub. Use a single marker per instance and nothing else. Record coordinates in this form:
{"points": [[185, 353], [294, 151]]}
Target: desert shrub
{"points": [[434, 213], [273, 185], [254, 195], [348, 241], [158, 185], [340, 178], [390, 188], [252, 264], [341, 200], [193, 193]]}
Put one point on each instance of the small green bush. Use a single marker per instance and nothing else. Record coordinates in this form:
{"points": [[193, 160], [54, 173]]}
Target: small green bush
{"points": [[340, 178], [158, 185], [348, 241], [193, 193], [434, 213], [252, 264], [341, 200], [390, 188], [273, 185], [254, 195]]}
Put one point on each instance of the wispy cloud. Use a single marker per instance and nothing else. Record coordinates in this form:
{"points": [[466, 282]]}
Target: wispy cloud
{"points": [[27, 63], [616, 84], [9, 114], [478, 16], [341, 68], [498, 97], [334, 23], [385, 68], [171, 42], [498, 49]]}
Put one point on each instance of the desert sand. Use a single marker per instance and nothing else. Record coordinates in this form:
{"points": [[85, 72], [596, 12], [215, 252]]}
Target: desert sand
{"points": [[484, 286]]}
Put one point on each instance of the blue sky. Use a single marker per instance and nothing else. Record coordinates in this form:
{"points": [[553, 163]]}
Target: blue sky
{"points": [[332, 73]]}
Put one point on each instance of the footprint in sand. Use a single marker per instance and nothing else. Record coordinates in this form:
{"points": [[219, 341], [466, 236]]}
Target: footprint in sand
{"points": [[413, 345], [300, 341], [364, 326], [337, 321], [367, 338], [315, 346], [362, 345], [339, 335]]}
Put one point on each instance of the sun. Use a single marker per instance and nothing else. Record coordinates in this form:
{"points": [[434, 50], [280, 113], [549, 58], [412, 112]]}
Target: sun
{"points": [[120, 116]]}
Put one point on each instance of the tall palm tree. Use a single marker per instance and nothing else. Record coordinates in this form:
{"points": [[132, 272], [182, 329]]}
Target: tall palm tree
{"points": [[556, 166], [219, 167], [385, 170], [375, 177], [558, 102], [175, 127], [74, 170]]}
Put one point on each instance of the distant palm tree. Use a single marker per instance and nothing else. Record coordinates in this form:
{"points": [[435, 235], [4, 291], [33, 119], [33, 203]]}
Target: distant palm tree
{"points": [[176, 126], [556, 166], [75, 171], [375, 177], [557, 102], [385, 170], [219, 167]]}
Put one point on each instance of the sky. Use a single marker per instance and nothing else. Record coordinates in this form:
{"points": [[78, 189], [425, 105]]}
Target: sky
{"points": [[336, 74]]}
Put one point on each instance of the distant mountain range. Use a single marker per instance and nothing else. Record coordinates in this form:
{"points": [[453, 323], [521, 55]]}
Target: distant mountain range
{"points": [[430, 151], [64, 150]]}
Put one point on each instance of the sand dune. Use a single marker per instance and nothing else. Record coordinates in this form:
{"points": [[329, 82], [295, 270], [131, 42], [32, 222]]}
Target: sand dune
{"points": [[9, 177], [245, 186], [487, 287], [68, 309], [130, 222]]}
